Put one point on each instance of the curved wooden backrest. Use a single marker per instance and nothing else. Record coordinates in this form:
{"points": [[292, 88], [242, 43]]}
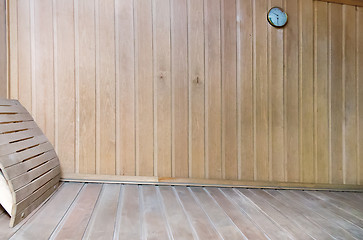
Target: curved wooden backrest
{"points": [[28, 161]]}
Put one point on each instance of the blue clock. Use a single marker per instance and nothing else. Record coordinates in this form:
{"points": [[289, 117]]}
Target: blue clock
{"points": [[277, 17]]}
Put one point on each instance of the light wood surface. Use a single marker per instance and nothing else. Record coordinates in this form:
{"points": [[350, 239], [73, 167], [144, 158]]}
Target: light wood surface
{"points": [[120, 211], [348, 2], [205, 182], [194, 89], [29, 165], [3, 51]]}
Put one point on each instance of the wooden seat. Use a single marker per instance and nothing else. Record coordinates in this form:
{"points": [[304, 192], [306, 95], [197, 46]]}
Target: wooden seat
{"points": [[29, 166]]}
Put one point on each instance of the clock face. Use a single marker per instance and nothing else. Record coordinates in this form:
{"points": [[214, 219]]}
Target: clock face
{"points": [[277, 17]]}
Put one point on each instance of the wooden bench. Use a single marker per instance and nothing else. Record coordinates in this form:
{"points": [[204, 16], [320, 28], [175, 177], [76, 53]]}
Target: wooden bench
{"points": [[29, 166]]}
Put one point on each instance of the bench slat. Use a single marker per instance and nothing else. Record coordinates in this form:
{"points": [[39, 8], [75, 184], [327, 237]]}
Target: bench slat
{"points": [[27, 160], [22, 167], [21, 117], [23, 192], [26, 178], [12, 127], [18, 136], [12, 109]]}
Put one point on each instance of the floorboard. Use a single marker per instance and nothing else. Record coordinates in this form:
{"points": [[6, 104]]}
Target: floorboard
{"points": [[75, 222], [319, 215], [293, 213], [177, 218], [284, 222], [46, 219], [121, 211], [128, 223], [246, 225], [220, 219], [102, 223]]}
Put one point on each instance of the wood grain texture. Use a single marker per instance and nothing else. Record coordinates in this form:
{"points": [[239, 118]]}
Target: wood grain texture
{"points": [[196, 67], [4, 50], [103, 219], [144, 88], [125, 88], [213, 108], [276, 102], [128, 215], [245, 95], [360, 92], [321, 92], [162, 88], [229, 89], [105, 91], [180, 88], [291, 93], [28, 163], [190, 213], [44, 71], [51, 213], [350, 98], [64, 79], [86, 86], [193, 89], [74, 223], [306, 66], [24, 56], [260, 91], [336, 91], [348, 2]]}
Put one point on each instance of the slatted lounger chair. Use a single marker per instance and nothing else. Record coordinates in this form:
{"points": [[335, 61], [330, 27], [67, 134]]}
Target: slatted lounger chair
{"points": [[29, 166]]}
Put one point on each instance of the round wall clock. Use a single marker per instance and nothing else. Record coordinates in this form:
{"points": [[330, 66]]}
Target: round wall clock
{"points": [[277, 17]]}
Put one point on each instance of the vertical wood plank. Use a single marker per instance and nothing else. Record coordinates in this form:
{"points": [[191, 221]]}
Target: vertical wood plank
{"points": [[213, 89], [3, 49], [13, 49], [162, 87], [125, 69], [291, 86], [360, 91], [276, 100], [261, 91], [105, 75], [245, 90], [321, 93], [144, 88], [86, 59], [65, 85], [44, 72], [350, 98], [196, 88], [179, 77], [229, 89], [306, 90], [24, 56], [336, 86]]}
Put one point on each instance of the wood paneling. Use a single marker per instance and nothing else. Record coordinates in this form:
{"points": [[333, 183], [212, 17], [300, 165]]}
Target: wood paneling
{"points": [[194, 88], [3, 51]]}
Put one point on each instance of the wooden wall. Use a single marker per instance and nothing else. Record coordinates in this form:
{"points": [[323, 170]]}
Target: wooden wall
{"points": [[194, 89], [3, 51]]}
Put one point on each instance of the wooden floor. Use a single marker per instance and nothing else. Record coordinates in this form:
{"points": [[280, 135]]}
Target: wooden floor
{"points": [[115, 211]]}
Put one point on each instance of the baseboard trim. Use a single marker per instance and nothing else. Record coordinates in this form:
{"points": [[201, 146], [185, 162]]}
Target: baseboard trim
{"points": [[94, 178]]}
